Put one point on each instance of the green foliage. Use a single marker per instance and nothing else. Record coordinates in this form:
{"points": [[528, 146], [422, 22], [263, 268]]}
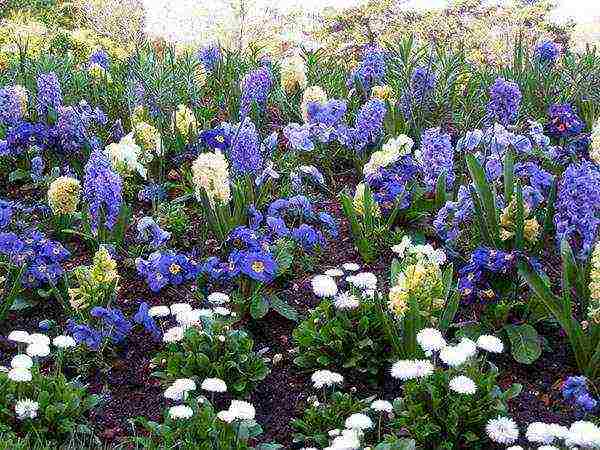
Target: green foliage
{"points": [[353, 339], [216, 351], [319, 418], [173, 218], [437, 417], [62, 406]]}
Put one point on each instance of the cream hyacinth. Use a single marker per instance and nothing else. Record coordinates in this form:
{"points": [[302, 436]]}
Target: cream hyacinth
{"points": [[389, 153], [211, 173], [63, 195], [185, 121], [125, 156], [293, 74], [595, 144], [312, 94]]}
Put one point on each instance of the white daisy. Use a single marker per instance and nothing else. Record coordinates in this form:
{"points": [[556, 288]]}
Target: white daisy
{"points": [[463, 385], [63, 342], [19, 336], [334, 273], [358, 421], [242, 410], [382, 406], [214, 385], [19, 374], [583, 434], [174, 334], [502, 430], [180, 412], [180, 307], [322, 378], [172, 393], [346, 300], [21, 361], [39, 339], [490, 343], [184, 384], [350, 267], [548, 447], [226, 416], [26, 409], [221, 311], [363, 280], [409, 369], [514, 447], [431, 340], [159, 311], [540, 433], [218, 298], [38, 349], [324, 286]]}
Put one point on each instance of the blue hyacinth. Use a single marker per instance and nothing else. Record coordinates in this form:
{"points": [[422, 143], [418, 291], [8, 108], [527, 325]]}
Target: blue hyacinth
{"points": [[505, 101]]}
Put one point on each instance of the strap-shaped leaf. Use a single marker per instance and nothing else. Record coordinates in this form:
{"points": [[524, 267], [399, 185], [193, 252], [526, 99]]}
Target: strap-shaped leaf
{"points": [[486, 196]]}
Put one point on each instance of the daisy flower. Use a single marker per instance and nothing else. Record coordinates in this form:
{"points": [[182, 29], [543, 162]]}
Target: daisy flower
{"points": [[502, 430], [324, 286]]}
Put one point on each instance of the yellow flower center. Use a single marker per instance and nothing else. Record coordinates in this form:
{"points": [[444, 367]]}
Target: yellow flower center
{"points": [[174, 269], [258, 266], [220, 139]]}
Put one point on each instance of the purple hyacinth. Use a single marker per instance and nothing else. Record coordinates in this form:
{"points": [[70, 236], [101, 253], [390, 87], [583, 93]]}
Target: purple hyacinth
{"points": [[151, 233], [245, 152], [10, 107], [325, 119], [390, 185], [578, 207], [49, 93], [210, 56], [437, 156], [546, 52], [101, 58], [539, 182], [255, 89], [564, 121], [454, 214], [368, 127], [370, 71], [575, 390], [419, 92], [299, 137], [505, 100], [37, 168], [102, 190]]}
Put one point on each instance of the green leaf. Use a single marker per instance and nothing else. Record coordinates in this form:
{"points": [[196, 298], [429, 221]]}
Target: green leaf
{"points": [[259, 307], [284, 308], [17, 175], [486, 197], [20, 303], [440, 190], [524, 342], [509, 175]]}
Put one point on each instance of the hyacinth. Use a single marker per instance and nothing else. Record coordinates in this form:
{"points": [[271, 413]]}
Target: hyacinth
{"points": [[210, 56], [102, 190], [564, 121], [383, 92], [436, 155], [245, 153], [546, 52], [595, 143], [49, 93], [293, 74], [472, 277], [11, 105], [255, 88], [576, 391], [73, 124], [326, 121], [211, 173], [101, 58], [593, 311], [389, 154], [93, 280], [148, 138], [99, 73], [420, 90], [312, 94], [185, 121], [421, 281], [453, 214], [370, 71], [126, 156], [578, 207], [504, 103], [104, 267], [368, 126], [63, 195]]}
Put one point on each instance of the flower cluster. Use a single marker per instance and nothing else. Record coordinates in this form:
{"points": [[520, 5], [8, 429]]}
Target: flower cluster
{"points": [[293, 74], [167, 268], [389, 154], [564, 121], [63, 195], [368, 127], [575, 390], [25, 136], [13, 105], [578, 206], [185, 121], [210, 56], [505, 101], [150, 232], [547, 52], [211, 175], [454, 214], [113, 325], [419, 92], [472, 279], [126, 156], [41, 257], [593, 311], [255, 88], [312, 94], [436, 155], [595, 144], [98, 283], [245, 154], [370, 71], [49, 94], [102, 190]]}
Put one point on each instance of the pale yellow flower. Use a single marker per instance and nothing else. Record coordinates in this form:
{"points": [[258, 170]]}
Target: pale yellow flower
{"points": [[312, 94], [211, 173], [185, 121], [63, 195]]}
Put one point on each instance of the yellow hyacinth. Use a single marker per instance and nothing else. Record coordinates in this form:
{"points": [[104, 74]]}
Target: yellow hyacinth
{"points": [[63, 195], [148, 139], [98, 73], [293, 74], [595, 144], [211, 173], [383, 92], [185, 121], [104, 267], [358, 202], [594, 304], [389, 153]]}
